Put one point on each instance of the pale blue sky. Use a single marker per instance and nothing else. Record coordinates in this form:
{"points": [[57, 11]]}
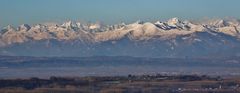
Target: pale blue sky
{"points": [[17, 12]]}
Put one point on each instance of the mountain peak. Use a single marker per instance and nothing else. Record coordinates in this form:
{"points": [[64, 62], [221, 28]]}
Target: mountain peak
{"points": [[68, 24], [24, 27], [162, 25], [95, 26], [173, 21], [10, 28], [219, 23]]}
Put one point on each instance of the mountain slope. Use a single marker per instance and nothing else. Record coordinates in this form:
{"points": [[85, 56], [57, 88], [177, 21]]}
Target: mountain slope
{"points": [[174, 38]]}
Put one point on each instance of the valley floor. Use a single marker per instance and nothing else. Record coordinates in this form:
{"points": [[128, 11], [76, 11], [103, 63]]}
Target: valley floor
{"points": [[123, 84]]}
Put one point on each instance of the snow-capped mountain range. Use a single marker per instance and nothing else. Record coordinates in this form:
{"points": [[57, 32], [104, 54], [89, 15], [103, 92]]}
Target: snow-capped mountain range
{"points": [[173, 38]]}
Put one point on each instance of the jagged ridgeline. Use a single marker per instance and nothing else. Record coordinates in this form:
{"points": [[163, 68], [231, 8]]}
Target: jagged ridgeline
{"points": [[173, 38]]}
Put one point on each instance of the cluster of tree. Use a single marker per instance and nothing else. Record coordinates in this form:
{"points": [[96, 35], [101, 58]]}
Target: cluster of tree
{"points": [[42, 83]]}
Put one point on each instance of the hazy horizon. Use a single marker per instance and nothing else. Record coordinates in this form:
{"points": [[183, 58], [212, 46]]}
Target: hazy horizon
{"points": [[16, 12]]}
